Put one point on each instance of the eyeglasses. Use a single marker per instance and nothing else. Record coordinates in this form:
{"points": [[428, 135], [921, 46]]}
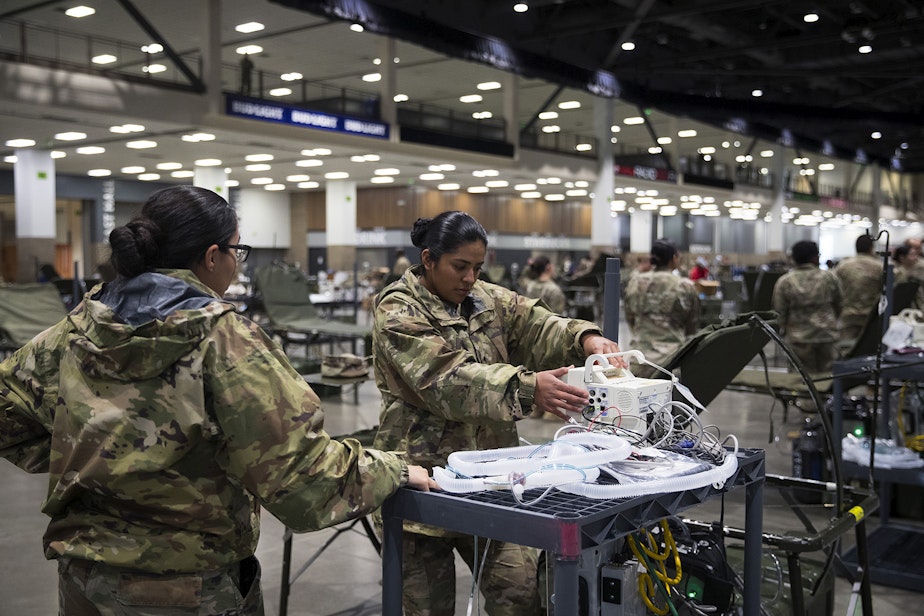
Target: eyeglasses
{"points": [[241, 251]]}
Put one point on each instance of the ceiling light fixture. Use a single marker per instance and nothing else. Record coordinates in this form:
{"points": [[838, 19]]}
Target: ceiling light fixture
{"points": [[71, 136], [132, 170], [99, 173], [169, 166], [280, 92], [548, 115], [810, 18], [756, 93], [293, 76], [208, 162], [20, 143], [258, 167], [400, 98], [372, 77], [152, 48], [308, 184], [249, 50], [337, 175], [489, 85], [382, 179], [471, 98], [90, 150], [298, 177], [449, 186], [686, 133], [356, 27], [865, 49], [149, 177], [183, 174], [250, 26], [141, 144], [104, 58], [520, 7], [628, 46], [633, 120], [478, 189], [569, 105], [153, 68], [79, 11]]}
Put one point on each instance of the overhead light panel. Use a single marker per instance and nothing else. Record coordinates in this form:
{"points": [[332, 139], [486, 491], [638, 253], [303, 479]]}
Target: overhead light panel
{"points": [[356, 27], [132, 170], [152, 48], [153, 68], [387, 171], [471, 98], [249, 50], [71, 136], [309, 162], [432, 176], [520, 7], [250, 26], [275, 187], [141, 144], [489, 85], [170, 166], [337, 175], [261, 181], [149, 177], [197, 137], [372, 77], [208, 162], [584, 147], [20, 143], [478, 189], [298, 177], [99, 173], [126, 128], [448, 186], [810, 18], [280, 92], [293, 76], [634, 120], [258, 158], [757, 93], [628, 46], [183, 174], [58, 154], [104, 58], [258, 167], [686, 133], [531, 194], [79, 11], [308, 184], [91, 149], [548, 115], [400, 98], [569, 105], [382, 179]]}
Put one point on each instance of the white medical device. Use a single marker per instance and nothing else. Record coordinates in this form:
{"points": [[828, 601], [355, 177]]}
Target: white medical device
{"points": [[616, 396]]}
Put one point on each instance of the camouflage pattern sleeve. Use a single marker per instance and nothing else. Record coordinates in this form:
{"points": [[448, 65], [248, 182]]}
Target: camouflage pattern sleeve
{"points": [[271, 421]]}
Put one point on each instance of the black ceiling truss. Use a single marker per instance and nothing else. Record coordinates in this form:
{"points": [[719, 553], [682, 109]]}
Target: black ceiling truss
{"points": [[700, 59]]}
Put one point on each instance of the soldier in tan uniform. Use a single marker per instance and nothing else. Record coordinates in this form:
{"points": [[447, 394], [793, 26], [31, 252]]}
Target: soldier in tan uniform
{"points": [[165, 419], [543, 286], [662, 309], [809, 301], [459, 361], [861, 284]]}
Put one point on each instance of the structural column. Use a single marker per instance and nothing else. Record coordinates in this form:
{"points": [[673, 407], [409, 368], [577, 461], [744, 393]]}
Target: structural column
{"points": [[213, 178], [604, 227], [388, 87], [341, 225], [211, 20], [775, 241], [34, 185], [511, 92]]}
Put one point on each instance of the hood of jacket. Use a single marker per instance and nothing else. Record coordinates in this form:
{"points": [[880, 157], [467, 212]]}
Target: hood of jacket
{"points": [[137, 328]]}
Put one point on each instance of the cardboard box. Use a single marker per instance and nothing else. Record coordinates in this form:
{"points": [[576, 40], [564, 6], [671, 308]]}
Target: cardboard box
{"points": [[707, 287]]}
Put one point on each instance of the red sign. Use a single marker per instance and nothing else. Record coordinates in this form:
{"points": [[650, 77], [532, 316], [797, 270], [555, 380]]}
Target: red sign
{"points": [[646, 173]]}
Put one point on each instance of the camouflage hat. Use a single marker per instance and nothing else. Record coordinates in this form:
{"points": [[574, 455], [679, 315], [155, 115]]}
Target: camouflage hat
{"points": [[344, 365]]}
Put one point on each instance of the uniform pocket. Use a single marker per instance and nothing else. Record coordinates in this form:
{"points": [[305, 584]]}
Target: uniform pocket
{"points": [[139, 589]]}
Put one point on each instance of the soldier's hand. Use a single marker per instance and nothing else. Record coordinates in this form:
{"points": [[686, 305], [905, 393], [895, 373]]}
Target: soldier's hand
{"points": [[595, 343], [557, 397], [419, 479]]}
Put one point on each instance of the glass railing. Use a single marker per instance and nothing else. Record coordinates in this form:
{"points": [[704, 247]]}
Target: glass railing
{"points": [[36, 44], [443, 120], [565, 143]]}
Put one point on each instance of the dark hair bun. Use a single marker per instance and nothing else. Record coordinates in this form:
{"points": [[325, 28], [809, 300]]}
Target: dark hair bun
{"points": [[419, 232], [134, 246]]}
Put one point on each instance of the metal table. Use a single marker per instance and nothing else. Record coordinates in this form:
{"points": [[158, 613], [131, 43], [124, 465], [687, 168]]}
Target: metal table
{"points": [[564, 525]]}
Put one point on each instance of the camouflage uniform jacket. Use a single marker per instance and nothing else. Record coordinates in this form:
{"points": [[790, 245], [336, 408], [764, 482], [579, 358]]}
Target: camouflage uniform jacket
{"points": [[452, 382], [861, 285], [549, 292], [808, 300], [165, 420], [662, 309]]}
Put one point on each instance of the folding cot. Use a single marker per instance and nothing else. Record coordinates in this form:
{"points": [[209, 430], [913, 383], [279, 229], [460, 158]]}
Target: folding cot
{"points": [[27, 310]]}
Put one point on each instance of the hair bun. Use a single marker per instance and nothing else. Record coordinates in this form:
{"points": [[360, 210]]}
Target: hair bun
{"points": [[419, 232]]}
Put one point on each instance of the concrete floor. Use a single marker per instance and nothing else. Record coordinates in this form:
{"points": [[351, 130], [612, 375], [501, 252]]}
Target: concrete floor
{"points": [[347, 578]]}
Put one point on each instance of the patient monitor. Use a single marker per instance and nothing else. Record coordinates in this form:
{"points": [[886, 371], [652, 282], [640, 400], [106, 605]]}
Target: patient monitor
{"points": [[615, 395]]}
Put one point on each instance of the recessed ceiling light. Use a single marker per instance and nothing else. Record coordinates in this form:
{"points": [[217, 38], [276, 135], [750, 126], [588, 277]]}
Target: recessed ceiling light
{"points": [[826, 167], [634, 120], [126, 128], [810, 18], [10, 159], [208, 162], [686, 133], [478, 189], [293, 76], [489, 85], [170, 166], [249, 50], [376, 61], [387, 171], [665, 140], [275, 187], [757, 93], [431, 176], [141, 144], [258, 167], [135, 169], [337, 175], [482, 115], [309, 162], [548, 115], [58, 154], [99, 173], [555, 197], [20, 143], [471, 98], [80, 11], [258, 158], [876, 135], [153, 68], [655, 150], [865, 49], [298, 177], [149, 177], [447, 167], [321, 152], [356, 27], [152, 48], [485, 173], [584, 147], [766, 153], [400, 98], [71, 136], [197, 137], [250, 26], [551, 128], [261, 181], [449, 186], [232, 183], [522, 187], [104, 58], [91, 149], [308, 184], [372, 77], [382, 179], [280, 91], [357, 158], [520, 7], [569, 105], [183, 174], [628, 46], [532, 194], [497, 183]]}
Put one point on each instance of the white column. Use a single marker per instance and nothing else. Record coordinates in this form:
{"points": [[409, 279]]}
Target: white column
{"points": [[641, 226], [775, 228], [604, 227], [388, 87], [264, 218], [341, 224], [211, 55], [213, 178], [34, 187], [510, 83], [876, 194]]}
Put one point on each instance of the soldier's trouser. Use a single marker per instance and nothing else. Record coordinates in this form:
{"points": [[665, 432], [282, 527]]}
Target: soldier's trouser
{"points": [[86, 588], [508, 581], [816, 357]]}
